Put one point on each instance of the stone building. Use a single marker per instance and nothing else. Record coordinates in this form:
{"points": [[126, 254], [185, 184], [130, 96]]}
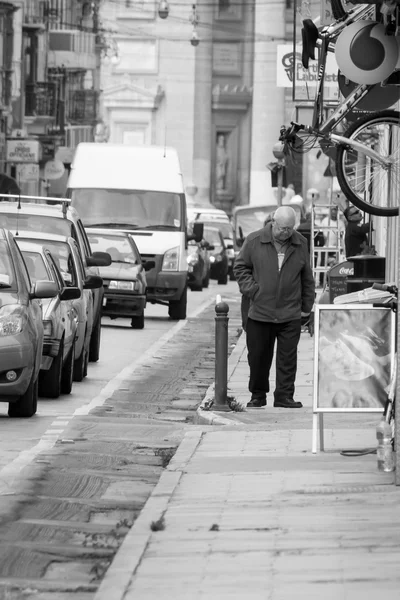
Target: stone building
{"points": [[202, 78]]}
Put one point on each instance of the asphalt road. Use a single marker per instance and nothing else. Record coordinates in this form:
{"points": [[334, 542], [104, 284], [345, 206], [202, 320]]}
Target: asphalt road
{"points": [[74, 478]]}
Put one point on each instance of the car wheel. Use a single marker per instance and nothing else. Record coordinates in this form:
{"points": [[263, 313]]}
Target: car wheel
{"points": [[94, 350], [138, 322], [68, 372], [50, 381], [26, 406], [196, 287], [79, 366], [177, 310]]}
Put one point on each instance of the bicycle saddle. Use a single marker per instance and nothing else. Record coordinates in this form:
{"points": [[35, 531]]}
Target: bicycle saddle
{"points": [[309, 35]]}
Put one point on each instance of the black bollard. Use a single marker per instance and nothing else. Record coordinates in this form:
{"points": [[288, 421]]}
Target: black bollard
{"points": [[221, 356]]}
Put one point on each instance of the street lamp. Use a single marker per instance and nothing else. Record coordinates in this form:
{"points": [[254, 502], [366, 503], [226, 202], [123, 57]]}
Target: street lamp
{"points": [[163, 9], [278, 152], [194, 18]]}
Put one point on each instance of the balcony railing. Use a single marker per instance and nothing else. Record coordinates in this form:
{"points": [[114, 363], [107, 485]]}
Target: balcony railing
{"points": [[82, 106], [40, 99], [35, 13], [5, 87]]}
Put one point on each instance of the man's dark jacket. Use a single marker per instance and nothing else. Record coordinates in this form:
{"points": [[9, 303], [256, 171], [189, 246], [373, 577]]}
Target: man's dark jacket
{"points": [[275, 296]]}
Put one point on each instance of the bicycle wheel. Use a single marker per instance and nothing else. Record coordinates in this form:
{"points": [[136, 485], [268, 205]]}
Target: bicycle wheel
{"points": [[369, 185]]}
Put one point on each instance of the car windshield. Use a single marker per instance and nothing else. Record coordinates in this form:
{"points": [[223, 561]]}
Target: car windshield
{"points": [[36, 266], [212, 236], [118, 247], [225, 228], [62, 255], [40, 223], [7, 274], [131, 209]]}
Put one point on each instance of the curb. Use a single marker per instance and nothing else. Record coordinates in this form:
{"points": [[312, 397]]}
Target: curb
{"points": [[209, 417], [132, 549]]}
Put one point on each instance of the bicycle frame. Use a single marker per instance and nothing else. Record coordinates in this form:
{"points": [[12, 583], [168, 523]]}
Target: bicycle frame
{"points": [[327, 36]]}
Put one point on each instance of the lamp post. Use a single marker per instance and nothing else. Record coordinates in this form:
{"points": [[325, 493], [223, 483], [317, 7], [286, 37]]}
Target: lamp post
{"points": [[280, 157]]}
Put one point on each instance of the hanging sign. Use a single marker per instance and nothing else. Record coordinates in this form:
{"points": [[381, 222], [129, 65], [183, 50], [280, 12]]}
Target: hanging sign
{"points": [[23, 151], [53, 169]]}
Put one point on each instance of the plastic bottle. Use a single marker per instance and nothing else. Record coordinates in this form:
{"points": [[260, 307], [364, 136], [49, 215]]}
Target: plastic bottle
{"points": [[385, 450]]}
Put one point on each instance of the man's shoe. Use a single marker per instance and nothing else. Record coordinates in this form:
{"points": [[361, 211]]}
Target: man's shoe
{"points": [[257, 403], [287, 403]]}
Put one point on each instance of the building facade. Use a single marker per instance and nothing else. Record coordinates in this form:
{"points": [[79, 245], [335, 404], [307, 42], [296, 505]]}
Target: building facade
{"points": [[49, 89], [201, 78]]}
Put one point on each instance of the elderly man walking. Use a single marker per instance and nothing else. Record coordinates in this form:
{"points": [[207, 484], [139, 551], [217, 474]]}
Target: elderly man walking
{"points": [[273, 270]]}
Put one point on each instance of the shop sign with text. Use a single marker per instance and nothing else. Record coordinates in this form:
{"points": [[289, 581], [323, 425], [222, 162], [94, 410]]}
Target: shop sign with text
{"points": [[23, 151], [290, 71]]}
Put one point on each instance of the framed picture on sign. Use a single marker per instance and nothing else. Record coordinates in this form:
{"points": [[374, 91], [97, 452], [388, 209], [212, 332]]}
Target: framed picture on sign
{"points": [[353, 357]]}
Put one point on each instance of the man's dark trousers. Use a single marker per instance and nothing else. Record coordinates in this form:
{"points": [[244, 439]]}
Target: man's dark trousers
{"points": [[261, 338]]}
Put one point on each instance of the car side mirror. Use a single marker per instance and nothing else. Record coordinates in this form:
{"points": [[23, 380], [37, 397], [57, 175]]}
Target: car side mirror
{"points": [[211, 247], [93, 282], [205, 244], [70, 293], [148, 264], [239, 242], [99, 259], [44, 289], [198, 230]]}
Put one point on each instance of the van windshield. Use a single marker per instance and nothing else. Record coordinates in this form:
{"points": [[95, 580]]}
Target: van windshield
{"points": [[129, 209]]}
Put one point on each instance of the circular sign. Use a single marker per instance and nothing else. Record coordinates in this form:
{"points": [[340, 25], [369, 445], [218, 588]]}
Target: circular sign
{"points": [[53, 169], [365, 54]]}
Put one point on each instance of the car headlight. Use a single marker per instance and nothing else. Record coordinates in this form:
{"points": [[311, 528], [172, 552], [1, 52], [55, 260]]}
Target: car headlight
{"points": [[218, 258], [212, 259], [127, 286], [171, 260], [48, 328], [12, 322]]}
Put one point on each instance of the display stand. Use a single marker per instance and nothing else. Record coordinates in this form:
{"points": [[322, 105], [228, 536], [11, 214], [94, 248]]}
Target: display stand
{"points": [[353, 361]]}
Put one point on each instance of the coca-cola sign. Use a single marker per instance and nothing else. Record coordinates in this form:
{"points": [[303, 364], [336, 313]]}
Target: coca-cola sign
{"points": [[346, 271]]}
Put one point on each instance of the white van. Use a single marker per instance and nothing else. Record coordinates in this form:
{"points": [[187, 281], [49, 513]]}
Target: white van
{"points": [[140, 190]]}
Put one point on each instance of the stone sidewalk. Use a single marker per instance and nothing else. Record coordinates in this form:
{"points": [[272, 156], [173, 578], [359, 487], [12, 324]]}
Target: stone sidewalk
{"points": [[246, 511]]}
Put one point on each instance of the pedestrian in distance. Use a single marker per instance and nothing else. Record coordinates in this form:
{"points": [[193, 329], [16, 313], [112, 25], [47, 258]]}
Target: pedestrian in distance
{"points": [[356, 236], [273, 271]]}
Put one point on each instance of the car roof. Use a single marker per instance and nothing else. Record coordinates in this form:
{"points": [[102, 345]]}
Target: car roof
{"points": [[29, 246], [49, 237], [55, 210]]}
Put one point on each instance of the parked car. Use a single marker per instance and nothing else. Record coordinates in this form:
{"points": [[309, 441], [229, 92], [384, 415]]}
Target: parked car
{"points": [[21, 329], [68, 258], [45, 215], [125, 285], [218, 254], [60, 322], [226, 229], [199, 265]]}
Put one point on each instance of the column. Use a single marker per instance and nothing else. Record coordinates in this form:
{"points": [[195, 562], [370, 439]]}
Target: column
{"points": [[202, 106], [268, 99]]}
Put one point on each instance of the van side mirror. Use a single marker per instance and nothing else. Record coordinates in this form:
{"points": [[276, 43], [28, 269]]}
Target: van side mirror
{"points": [[198, 230]]}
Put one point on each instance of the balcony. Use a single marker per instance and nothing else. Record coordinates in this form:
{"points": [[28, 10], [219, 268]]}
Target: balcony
{"points": [[34, 15], [72, 49], [82, 106], [40, 99]]}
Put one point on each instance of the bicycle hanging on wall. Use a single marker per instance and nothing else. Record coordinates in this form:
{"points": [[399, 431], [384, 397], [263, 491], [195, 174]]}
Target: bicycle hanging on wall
{"points": [[367, 153]]}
